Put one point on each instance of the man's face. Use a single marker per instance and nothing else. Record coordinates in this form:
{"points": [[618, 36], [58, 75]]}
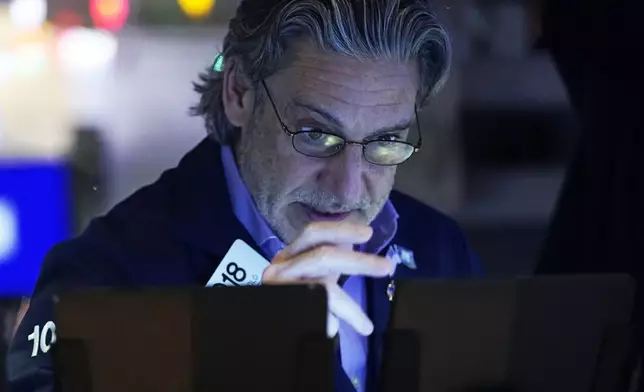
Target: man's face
{"points": [[356, 100]]}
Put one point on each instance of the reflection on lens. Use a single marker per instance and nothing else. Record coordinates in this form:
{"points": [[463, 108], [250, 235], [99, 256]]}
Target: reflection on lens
{"points": [[317, 144], [388, 153], [378, 152]]}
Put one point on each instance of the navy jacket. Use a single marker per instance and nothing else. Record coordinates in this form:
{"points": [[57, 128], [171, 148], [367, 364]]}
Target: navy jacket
{"points": [[176, 231]]}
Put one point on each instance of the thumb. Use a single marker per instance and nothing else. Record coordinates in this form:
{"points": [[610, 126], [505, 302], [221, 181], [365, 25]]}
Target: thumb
{"points": [[332, 325]]}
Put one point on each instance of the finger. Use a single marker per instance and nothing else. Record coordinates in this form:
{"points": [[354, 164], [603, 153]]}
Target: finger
{"points": [[330, 261], [341, 306], [345, 308], [337, 233], [332, 326], [276, 265]]}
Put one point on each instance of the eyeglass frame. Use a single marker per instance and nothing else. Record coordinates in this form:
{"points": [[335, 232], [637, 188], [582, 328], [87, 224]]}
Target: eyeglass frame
{"points": [[363, 144]]}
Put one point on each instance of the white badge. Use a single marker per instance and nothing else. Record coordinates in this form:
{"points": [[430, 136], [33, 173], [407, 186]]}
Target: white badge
{"points": [[242, 266]]}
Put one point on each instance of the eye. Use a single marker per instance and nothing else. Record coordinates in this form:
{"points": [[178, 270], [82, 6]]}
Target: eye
{"points": [[317, 136], [314, 135], [390, 137]]}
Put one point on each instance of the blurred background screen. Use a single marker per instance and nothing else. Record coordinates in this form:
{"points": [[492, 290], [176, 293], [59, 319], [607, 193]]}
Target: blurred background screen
{"points": [[34, 215]]}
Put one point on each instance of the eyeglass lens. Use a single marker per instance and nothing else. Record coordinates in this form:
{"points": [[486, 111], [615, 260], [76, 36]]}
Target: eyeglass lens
{"points": [[323, 145]]}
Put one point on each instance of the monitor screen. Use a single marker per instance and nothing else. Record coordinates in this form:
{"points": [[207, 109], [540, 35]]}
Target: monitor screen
{"points": [[35, 214]]}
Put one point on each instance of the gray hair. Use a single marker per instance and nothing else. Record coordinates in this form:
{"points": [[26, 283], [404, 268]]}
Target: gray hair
{"points": [[262, 30]]}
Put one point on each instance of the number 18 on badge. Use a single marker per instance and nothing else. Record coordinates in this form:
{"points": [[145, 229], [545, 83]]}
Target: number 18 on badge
{"points": [[242, 266]]}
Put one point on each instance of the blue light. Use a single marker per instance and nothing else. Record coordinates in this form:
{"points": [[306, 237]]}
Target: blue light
{"points": [[218, 65], [8, 230], [35, 214]]}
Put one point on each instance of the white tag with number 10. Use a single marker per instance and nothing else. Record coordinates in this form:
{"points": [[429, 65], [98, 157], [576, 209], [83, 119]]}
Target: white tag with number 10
{"points": [[241, 266]]}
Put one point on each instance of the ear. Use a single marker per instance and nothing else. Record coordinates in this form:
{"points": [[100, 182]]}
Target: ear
{"points": [[237, 94]]}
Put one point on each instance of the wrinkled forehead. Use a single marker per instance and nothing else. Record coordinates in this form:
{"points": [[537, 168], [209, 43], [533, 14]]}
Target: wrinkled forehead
{"points": [[349, 87]]}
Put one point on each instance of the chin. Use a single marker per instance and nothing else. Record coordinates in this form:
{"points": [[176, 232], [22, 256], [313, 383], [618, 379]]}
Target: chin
{"points": [[285, 227]]}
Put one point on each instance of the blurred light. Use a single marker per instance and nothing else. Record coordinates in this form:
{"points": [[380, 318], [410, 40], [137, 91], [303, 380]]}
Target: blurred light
{"points": [[219, 64], [196, 9], [83, 49], [34, 216], [67, 18], [27, 59], [109, 14], [28, 14], [7, 67], [8, 230], [31, 59]]}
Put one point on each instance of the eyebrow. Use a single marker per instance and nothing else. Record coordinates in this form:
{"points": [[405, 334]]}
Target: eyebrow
{"points": [[336, 123]]}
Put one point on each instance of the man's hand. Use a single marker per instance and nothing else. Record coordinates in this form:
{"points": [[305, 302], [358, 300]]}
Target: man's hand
{"points": [[321, 254]]}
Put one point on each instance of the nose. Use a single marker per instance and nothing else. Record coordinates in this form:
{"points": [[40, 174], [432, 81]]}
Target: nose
{"points": [[344, 174]]}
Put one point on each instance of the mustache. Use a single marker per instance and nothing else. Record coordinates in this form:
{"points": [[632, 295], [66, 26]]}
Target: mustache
{"points": [[327, 202]]}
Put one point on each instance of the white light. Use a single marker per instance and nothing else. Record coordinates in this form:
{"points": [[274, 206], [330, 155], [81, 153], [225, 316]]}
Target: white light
{"points": [[27, 14], [31, 59], [8, 230], [7, 67], [82, 49]]}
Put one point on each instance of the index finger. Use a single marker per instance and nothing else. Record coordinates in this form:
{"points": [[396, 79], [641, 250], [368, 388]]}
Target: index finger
{"points": [[330, 260], [337, 233]]}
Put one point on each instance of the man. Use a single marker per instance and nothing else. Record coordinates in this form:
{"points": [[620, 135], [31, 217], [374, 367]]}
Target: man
{"points": [[309, 110]]}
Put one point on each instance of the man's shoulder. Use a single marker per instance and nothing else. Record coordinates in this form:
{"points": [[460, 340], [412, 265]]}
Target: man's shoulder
{"points": [[135, 236], [116, 250], [439, 245], [140, 242], [162, 233], [414, 213]]}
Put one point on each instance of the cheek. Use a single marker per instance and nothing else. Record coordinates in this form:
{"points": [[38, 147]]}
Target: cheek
{"points": [[294, 169], [286, 154], [301, 171], [380, 180], [294, 164]]}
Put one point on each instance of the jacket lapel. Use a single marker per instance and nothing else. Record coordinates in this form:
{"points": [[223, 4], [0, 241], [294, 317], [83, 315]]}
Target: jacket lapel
{"points": [[202, 204]]}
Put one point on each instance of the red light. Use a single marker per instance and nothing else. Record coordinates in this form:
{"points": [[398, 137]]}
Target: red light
{"points": [[109, 14], [67, 18]]}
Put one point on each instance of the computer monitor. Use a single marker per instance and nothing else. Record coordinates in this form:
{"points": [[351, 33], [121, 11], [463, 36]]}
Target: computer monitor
{"points": [[269, 338], [554, 334]]}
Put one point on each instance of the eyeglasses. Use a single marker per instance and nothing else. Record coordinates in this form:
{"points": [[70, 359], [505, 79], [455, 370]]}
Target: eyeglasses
{"points": [[322, 144]]}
